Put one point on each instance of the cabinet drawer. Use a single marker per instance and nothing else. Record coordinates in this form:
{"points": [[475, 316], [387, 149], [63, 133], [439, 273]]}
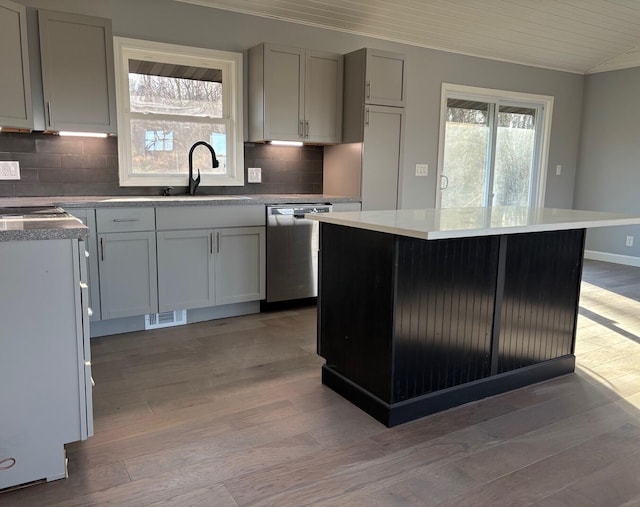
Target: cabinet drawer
{"points": [[209, 217], [125, 219]]}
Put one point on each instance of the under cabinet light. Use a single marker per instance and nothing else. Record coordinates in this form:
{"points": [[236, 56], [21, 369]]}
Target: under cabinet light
{"points": [[287, 143], [81, 134]]}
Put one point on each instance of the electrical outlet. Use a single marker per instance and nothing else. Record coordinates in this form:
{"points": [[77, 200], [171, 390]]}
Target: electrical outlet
{"points": [[254, 175], [558, 170], [629, 241], [422, 169], [9, 170]]}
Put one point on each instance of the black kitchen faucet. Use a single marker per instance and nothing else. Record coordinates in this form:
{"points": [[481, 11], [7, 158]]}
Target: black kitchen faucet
{"points": [[194, 182]]}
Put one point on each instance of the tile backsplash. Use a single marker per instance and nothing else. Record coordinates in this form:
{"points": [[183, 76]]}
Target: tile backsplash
{"points": [[55, 166]]}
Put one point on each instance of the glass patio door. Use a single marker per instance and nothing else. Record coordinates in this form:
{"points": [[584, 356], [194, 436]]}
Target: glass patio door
{"points": [[491, 153]]}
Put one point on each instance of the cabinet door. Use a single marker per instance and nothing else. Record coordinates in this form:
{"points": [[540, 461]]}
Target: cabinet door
{"points": [[323, 97], [77, 72], [283, 93], [88, 218], [381, 157], [128, 274], [385, 78], [15, 99], [185, 270], [240, 264]]}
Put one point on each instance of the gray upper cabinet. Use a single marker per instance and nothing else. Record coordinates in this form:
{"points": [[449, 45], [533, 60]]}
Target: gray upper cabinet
{"points": [[77, 72], [372, 77], [15, 96], [295, 95]]}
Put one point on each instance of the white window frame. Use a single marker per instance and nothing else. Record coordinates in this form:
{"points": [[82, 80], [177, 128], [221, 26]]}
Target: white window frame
{"points": [[501, 97], [230, 63]]}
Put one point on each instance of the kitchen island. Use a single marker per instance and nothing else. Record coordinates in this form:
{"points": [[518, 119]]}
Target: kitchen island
{"points": [[423, 310], [45, 356]]}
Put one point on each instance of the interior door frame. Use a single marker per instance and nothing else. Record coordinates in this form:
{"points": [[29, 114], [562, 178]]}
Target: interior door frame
{"points": [[544, 105]]}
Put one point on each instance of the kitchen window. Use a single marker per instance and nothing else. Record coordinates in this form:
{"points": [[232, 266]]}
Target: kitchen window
{"points": [[493, 147], [170, 97]]}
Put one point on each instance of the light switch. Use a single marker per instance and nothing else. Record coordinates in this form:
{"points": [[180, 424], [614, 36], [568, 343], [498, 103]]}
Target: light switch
{"points": [[422, 169], [254, 175], [558, 170], [9, 170]]}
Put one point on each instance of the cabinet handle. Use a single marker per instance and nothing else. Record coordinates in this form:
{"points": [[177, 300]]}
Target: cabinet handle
{"points": [[49, 113], [89, 312], [300, 128], [86, 254], [217, 242], [83, 286], [7, 463], [121, 220], [211, 242], [366, 116], [306, 128], [368, 92], [102, 249]]}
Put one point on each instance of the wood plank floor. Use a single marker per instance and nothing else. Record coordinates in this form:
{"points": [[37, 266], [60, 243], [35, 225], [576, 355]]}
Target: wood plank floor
{"points": [[232, 413]]}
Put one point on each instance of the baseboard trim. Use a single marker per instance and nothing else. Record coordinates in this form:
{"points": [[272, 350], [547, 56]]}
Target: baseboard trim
{"points": [[392, 414], [627, 260]]}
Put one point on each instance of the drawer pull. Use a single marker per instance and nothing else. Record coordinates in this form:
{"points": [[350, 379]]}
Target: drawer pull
{"points": [[7, 463], [123, 220]]}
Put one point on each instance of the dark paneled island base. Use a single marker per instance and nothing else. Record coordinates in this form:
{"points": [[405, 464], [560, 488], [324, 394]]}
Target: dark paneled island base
{"points": [[409, 327]]}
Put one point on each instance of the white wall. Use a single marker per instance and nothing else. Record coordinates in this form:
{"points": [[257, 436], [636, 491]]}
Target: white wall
{"points": [[180, 23]]}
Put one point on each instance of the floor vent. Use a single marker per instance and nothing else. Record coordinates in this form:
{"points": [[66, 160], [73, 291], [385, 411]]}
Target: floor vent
{"points": [[165, 319]]}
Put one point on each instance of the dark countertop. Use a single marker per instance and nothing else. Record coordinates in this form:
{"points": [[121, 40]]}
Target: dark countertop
{"points": [[68, 227], [95, 201], [37, 227]]}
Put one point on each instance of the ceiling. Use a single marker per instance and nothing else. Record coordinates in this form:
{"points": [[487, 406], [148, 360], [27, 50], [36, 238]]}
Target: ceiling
{"points": [[581, 36]]}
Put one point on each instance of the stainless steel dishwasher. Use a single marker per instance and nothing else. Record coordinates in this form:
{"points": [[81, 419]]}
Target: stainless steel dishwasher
{"points": [[292, 252]]}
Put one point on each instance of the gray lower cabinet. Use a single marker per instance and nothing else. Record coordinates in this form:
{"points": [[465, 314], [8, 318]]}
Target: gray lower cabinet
{"points": [[45, 358], [77, 72], [15, 99], [240, 264], [207, 267], [128, 274], [185, 269]]}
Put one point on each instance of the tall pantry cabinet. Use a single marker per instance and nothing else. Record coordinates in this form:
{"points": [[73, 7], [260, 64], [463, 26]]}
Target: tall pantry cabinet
{"points": [[369, 163]]}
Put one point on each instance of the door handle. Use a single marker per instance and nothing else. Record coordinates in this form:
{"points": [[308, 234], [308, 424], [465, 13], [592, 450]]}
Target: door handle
{"points": [[444, 182]]}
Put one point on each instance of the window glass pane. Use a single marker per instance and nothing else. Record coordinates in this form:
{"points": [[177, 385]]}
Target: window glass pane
{"points": [[174, 89], [514, 156], [465, 153], [162, 147]]}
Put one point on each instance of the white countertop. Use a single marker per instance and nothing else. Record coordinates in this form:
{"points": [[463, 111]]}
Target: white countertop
{"points": [[468, 222]]}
